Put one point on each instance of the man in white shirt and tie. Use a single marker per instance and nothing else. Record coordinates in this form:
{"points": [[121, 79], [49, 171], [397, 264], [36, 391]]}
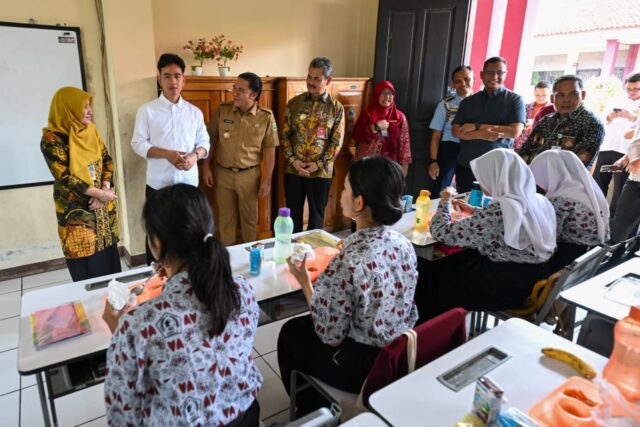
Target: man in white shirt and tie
{"points": [[170, 132]]}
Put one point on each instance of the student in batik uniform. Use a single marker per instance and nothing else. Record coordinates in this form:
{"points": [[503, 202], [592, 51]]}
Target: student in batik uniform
{"points": [[509, 241], [364, 299], [184, 357], [82, 189], [582, 211]]}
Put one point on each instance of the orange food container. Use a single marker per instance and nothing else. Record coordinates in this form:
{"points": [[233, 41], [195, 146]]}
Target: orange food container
{"points": [[152, 289], [561, 407], [324, 255]]}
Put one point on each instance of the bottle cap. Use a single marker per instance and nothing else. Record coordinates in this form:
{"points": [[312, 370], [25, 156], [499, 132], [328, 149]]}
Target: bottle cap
{"points": [[475, 185], [634, 312], [425, 193], [284, 212]]}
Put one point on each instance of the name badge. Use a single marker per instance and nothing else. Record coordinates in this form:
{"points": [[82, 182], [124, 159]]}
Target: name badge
{"points": [[228, 121], [322, 132]]}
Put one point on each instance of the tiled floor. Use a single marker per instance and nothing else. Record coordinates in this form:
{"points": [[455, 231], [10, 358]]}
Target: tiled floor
{"points": [[19, 402]]}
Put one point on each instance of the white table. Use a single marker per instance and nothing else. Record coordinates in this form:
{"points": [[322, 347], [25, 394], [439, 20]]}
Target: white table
{"points": [[273, 282], [366, 419], [526, 377], [590, 294]]}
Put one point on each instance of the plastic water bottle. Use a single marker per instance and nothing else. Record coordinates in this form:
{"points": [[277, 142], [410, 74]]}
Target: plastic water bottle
{"points": [[283, 228], [623, 367], [475, 197], [423, 204]]}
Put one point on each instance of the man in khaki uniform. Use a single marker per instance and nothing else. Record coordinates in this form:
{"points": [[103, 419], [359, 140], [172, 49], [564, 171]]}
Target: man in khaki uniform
{"points": [[242, 132]]}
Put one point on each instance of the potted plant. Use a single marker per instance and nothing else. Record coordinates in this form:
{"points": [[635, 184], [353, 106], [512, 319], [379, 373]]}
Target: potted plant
{"points": [[226, 51], [202, 50]]}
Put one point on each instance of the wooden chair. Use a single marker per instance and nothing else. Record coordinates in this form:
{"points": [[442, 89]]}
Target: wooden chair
{"points": [[434, 338]]}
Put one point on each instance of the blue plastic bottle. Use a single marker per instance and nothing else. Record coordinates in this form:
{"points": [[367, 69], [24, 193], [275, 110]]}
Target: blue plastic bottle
{"points": [[475, 197], [283, 228]]}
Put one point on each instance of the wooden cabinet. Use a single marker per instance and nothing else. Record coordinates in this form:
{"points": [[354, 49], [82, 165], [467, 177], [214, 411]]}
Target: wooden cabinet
{"points": [[206, 93], [354, 94]]}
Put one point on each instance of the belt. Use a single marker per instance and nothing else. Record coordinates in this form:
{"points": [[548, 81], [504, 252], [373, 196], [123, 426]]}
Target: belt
{"points": [[238, 169]]}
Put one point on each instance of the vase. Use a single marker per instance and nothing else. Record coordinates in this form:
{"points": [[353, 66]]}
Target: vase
{"points": [[196, 70], [224, 71]]}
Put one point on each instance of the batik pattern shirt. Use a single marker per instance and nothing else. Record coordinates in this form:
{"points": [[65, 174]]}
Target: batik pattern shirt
{"points": [[366, 292], [165, 369], [580, 131], [313, 131], [82, 232], [484, 231], [396, 145], [576, 223]]}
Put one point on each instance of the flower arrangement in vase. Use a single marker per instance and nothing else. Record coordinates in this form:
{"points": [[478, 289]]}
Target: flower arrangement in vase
{"points": [[226, 51], [203, 50]]}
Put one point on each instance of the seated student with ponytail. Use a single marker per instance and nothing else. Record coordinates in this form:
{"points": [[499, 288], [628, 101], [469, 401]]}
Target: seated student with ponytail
{"points": [[364, 299], [185, 357], [582, 211], [511, 240]]}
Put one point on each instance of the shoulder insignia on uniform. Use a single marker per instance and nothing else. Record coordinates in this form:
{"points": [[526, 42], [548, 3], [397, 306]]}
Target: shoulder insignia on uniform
{"points": [[448, 98], [274, 126]]}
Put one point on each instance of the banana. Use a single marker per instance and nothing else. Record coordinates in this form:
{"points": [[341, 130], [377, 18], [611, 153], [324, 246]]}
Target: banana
{"points": [[571, 359]]}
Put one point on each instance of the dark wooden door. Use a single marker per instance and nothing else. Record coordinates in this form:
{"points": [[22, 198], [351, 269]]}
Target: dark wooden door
{"points": [[418, 43]]}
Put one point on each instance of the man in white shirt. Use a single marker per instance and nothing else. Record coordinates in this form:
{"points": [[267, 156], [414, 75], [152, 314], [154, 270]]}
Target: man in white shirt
{"points": [[170, 132], [621, 117]]}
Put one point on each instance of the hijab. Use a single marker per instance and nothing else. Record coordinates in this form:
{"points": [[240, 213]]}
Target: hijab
{"points": [[529, 218], [65, 117], [378, 112], [562, 174]]}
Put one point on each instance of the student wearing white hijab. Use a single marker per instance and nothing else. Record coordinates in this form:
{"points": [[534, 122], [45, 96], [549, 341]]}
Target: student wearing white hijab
{"points": [[582, 211], [511, 239], [563, 177]]}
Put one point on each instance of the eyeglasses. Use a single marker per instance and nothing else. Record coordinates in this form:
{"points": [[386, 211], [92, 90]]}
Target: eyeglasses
{"points": [[499, 73], [634, 90], [387, 93], [573, 94]]}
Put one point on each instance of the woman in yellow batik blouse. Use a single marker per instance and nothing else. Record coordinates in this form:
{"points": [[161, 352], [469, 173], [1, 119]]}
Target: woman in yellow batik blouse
{"points": [[82, 189]]}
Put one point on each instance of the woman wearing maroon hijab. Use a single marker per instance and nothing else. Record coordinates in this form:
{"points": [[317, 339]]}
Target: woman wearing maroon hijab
{"points": [[383, 129]]}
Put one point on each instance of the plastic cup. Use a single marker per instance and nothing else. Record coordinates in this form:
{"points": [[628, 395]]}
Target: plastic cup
{"points": [[407, 201]]}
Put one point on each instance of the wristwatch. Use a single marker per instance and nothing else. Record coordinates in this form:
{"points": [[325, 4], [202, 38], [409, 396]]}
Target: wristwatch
{"points": [[433, 161]]}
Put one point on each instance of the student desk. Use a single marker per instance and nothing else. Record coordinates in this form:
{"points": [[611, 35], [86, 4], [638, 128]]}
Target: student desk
{"points": [[77, 363], [526, 377], [366, 419], [590, 294]]}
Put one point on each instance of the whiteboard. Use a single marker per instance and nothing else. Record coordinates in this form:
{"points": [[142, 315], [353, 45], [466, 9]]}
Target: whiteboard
{"points": [[35, 61]]}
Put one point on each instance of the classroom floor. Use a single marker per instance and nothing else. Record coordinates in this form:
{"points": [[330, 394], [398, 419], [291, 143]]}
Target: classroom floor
{"points": [[19, 401]]}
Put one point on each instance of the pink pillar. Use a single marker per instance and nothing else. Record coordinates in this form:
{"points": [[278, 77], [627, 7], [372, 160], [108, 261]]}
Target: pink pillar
{"points": [[632, 56], [514, 25], [610, 57], [479, 43]]}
